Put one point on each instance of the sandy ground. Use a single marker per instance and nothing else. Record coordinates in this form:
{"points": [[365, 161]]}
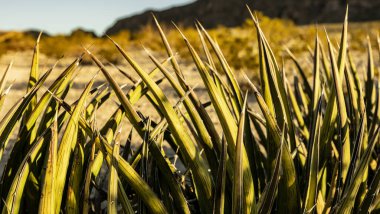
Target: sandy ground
{"points": [[19, 75]]}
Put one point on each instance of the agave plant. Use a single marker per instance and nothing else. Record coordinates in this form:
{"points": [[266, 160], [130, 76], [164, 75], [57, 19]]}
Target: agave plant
{"points": [[310, 145]]}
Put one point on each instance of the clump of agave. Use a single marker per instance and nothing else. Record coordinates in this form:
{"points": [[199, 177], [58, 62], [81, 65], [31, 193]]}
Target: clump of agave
{"points": [[311, 146]]}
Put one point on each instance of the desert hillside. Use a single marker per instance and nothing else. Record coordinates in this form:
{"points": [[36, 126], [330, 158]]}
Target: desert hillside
{"points": [[213, 13]]}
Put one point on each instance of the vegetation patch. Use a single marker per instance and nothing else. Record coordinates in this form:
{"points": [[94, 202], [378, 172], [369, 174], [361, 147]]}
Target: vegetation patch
{"points": [[310, 146]]}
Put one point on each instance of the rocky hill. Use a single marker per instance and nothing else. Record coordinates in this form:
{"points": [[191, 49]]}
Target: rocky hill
{"points": [[233, 12]]}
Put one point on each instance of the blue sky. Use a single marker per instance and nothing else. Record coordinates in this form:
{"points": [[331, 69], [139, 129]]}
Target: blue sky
{"points": [[61, 16]]}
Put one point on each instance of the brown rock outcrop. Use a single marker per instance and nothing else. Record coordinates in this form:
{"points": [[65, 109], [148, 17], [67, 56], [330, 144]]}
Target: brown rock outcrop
{"points": [[233, 12]]}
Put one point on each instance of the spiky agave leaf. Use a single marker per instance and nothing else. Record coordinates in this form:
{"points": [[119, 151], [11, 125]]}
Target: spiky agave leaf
{"points": [[237, 189], [47, 202], [13, 200], [229, 126], [8, 123], [67, 145], [113, 179], [288, 182], [203, 182]]}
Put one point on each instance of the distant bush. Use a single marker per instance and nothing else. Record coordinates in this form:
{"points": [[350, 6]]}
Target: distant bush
{"points": [[237, 43]]}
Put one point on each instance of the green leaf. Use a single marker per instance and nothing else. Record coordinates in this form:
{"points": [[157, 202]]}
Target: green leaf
{"points": [[288, 182], [47, 201], [269, 195], [133, 178], [13, 200], [197, 164], [8, 123], [220, 186], [313, 160], [237, 189], [67, 146], [113, 178], [348, 199]]}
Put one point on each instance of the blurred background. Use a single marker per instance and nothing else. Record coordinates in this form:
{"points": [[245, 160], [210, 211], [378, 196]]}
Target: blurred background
{"points": [[289, 24]]}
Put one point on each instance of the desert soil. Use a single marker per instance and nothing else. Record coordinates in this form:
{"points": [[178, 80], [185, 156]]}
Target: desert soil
{"points": [[19, 76]]}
